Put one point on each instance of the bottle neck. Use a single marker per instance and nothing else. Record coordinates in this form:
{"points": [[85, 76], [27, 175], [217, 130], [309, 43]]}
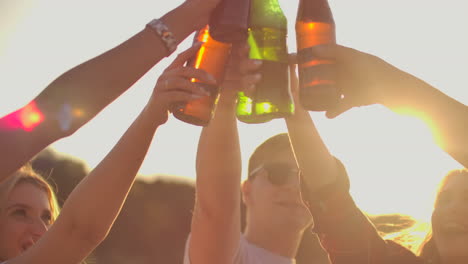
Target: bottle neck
{"points": [[267, 14], [314, 11]]}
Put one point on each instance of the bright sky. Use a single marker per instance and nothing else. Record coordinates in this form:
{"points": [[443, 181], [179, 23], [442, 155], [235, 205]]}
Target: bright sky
{"points": [[392, 162]]}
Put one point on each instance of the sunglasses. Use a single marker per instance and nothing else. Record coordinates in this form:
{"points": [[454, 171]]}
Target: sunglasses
{"points": [[277, 173]]}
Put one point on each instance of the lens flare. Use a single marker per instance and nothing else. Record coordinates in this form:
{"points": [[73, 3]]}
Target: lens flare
{"points": [[30, 116], [26, 118]]}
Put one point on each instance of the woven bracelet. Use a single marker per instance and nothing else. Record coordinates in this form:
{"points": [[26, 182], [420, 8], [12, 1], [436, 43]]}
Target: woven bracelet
{"points": [[164, 33]]}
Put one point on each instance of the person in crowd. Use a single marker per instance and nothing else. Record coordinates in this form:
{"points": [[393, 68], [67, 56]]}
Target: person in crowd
{"points": [[345, 231], [276, 217], [79, 94], [31, 229]]}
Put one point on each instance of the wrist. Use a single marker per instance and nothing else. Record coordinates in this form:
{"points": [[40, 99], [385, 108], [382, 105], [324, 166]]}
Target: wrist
{"points": [[156, 111], [403, 93], [198, 12], [193, 19], [227, 97]]}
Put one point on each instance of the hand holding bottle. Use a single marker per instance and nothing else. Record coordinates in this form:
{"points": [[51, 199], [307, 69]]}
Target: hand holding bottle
{"points": [[364, 79], [174, 85]]}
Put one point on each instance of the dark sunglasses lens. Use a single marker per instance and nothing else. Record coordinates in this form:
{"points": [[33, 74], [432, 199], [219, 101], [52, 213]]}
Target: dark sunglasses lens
{"points": [[277, 178], [279, 174]]}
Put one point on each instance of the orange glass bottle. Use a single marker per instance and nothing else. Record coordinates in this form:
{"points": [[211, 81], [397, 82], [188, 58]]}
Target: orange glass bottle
{"points": [[315, 26], [212, 57]]}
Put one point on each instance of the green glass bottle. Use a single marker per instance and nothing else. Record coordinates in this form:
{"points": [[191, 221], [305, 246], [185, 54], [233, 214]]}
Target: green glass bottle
{"points": [[267, 40]]}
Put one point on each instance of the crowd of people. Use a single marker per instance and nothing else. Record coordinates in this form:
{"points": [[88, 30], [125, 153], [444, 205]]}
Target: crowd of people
{"points": [[294, 183]]}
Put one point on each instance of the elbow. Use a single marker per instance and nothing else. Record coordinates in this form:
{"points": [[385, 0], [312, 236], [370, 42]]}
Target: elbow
{"points": [[89, 235]]}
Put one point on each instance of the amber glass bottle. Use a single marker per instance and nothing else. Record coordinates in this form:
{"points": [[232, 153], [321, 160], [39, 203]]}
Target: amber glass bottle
{"points": [[212, 57], [315, 26]]}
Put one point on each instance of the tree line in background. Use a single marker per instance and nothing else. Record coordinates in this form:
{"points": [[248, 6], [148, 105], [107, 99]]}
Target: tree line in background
{"points": [[155, 220]]}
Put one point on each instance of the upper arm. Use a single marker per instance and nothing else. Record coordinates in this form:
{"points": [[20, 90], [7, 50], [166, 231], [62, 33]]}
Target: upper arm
{"points": [[57, 246], [214, 237]]}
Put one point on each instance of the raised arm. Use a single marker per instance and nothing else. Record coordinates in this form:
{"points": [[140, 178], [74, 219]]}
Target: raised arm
{"points": [[81, 93], [365, 79], [216, 216], [94, 204], [317, 165], [346, 233]]}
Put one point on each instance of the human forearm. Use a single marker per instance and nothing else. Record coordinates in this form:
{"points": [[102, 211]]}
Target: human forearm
{"points": [[365, 79], [92, 85], [93, 206], [81, 93], [218, 160], [216, 217], [18, 144], [317, 165], [445, 116]]}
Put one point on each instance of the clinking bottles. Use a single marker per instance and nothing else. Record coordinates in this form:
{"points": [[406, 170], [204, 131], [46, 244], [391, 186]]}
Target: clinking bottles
{"points": [[315, 26], [229, 21], [212, 57], [267, 40]]}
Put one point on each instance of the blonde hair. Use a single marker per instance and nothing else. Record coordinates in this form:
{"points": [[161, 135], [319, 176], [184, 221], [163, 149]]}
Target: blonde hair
{"points": [[428, 249], [27, 175]]}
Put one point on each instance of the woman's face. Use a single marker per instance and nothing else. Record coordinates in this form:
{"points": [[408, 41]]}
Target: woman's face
{"points": [[450, 218], [24, 219]]}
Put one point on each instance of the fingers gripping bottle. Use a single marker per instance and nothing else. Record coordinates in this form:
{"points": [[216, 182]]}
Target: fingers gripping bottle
{"points": [[271, 97], [315, 26], [212, 57]]}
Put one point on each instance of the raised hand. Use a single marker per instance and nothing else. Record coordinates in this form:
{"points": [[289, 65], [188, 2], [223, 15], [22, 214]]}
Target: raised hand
{"points": [[174, 84], [363, 79]]}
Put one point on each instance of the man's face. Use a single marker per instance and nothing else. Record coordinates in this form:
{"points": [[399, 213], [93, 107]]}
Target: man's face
{"points": [[272, 195]]}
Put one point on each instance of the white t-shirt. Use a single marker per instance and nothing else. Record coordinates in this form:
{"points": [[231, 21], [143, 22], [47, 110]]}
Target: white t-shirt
{"points": [[249, 254]]}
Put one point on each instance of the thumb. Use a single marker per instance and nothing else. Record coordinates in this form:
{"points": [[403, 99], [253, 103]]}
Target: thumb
{"points": [[342, 106], [332, 52], [185, 56]]}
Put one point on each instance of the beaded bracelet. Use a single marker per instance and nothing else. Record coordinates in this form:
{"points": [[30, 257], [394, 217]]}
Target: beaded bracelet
{"points": [[164, 33]]}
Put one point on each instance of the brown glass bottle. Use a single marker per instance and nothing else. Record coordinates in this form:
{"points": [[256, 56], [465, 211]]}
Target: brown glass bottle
{"points": [[212, 58], [315, 26], [229, 21]]}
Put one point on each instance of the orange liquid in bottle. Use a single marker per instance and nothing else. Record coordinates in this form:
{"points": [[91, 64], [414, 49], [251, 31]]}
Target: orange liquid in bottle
{"points": [[316, 76], [212, 57]]}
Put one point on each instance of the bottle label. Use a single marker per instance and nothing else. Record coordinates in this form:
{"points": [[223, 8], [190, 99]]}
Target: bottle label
{"points": [[272, 96], [268, 44], [318, 74], [304, 56]]}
